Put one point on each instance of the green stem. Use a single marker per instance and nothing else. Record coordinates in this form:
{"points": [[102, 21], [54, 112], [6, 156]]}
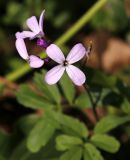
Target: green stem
{"points": [[92, 102], [13, 76], [81, 22]]}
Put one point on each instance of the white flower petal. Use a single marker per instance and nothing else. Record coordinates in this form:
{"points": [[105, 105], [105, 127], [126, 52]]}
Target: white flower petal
{"points": [[41, 19], [35, 62], [32, 23], [54, 74], [54, 52], [21, 48], [25, 34], [76, 75], [76, 53]]}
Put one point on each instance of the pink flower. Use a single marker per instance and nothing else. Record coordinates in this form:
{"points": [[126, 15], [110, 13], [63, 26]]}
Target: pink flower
{"points": [[34, 61], [35, 27], [65, 64]]}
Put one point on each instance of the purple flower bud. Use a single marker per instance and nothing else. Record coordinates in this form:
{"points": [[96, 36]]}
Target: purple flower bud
{"points": [[42, 43]]}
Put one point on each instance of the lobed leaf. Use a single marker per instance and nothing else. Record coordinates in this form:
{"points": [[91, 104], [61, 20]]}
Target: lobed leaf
{"points": [[40, 135], [27, 97], [91, 153], [105, 142], [83, 101], [126, 106], [70, 125], [50, 91], [68, 88], [109, 122], [75, 153], [64, 142]]}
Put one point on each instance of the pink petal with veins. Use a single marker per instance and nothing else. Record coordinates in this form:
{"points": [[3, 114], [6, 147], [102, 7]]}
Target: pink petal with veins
{"points": [[53, 75], [21, 48], [35, 62], [54, 52], [76, 53], [32, 23], [76, 75]]}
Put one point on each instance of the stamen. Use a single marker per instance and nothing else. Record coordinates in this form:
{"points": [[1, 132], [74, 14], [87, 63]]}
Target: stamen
{"points": [[65, 63]]}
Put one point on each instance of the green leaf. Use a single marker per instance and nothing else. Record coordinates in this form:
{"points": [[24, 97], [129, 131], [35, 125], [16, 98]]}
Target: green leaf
{"points": [[112, 99], [99, 78], [83, 101], [68, 88], [40, 135], [20, 152], [27, 97], [71, 125], [108, 123], [26, 123], [75, 125], [64, 142], [5, 144], [105, 142], [47, 152], [2, 158], [112, 17], [126, 106], [75, 153], [91, 153], [50, 91]]}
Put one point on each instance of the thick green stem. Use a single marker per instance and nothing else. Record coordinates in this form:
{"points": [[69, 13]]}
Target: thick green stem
{"points": [[63, 39], [81, 22]]}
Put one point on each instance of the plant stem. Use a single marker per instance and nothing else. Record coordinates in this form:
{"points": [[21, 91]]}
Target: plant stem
{"points": [[13, 76], [92, 102], [81, 22]]}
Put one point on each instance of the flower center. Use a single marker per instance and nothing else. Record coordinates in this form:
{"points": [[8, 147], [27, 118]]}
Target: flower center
{"points": [[65, 63]]}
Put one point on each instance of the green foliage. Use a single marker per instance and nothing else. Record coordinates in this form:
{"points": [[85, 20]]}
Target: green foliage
{"points": [[26, 123], [20, 152], [105, 142], [83, 101], [75, 153], [100, 79], [53, 131], [109, 122], [30, 98], [2, 158], [1, 88], [91, 153], [112, 17], [113, 99], [51, 92], [68, 88], [126, 106], [71, 136], [40, 135], [70, 125], [64, 142]]}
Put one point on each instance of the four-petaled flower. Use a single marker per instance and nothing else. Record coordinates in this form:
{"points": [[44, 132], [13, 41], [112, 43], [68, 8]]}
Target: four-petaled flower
{"points": [[65, 64], [34, 61], [35, 27]]}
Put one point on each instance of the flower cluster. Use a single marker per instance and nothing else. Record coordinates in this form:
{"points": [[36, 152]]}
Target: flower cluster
{"points": [[53, 52]]}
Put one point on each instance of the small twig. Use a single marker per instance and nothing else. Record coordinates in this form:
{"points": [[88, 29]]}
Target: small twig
{"points": [[98, 97]]}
